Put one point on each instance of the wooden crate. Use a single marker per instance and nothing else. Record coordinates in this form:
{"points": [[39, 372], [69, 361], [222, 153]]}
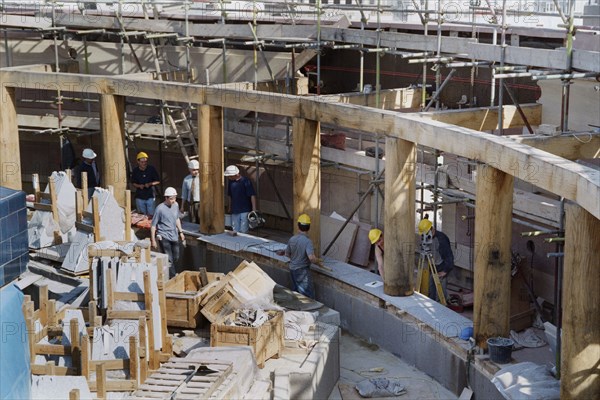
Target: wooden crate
{"points": [[183, 293], [245, 284], [266, 340]]}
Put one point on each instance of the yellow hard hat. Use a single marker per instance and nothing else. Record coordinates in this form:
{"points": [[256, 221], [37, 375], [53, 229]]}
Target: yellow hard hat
{"points": [[304, 219], [424, 226], [374, 235], [141, 154]]}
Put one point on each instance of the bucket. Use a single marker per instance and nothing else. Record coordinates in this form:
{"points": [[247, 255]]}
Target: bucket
{"points": [[500, 349]]}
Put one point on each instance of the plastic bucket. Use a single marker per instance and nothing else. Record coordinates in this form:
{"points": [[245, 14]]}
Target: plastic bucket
{"points": [[500, 349]]}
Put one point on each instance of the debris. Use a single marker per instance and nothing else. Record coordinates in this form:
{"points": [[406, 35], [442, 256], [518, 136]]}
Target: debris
{"points": [[527, 338], [380, 387]]}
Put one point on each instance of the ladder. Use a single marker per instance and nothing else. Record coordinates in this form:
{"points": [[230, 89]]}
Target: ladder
{"points": [[182, 129], [175, 117]]}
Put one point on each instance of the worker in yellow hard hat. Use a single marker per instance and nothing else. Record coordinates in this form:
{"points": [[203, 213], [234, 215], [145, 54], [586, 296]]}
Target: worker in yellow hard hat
{"points": [[144, 178], [438, 244], [301, 252], [376, 239]]}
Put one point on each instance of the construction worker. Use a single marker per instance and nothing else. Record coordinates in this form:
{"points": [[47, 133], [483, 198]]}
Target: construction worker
{"points": [[91, 169], [166, 231], [144, 178], [376, 238], [190, 192], [301, 252], [439, 245], [242, 198]]}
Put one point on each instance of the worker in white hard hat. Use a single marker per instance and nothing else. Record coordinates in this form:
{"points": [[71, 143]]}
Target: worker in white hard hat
{"points": [[438, 244], [90, 167], [376, 239], [145, 179], [166, 232], [301, 252], [242, 198], [190, 192]]}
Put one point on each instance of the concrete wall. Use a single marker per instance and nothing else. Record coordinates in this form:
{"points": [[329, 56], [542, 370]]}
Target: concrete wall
{"points": [[368, 317]]}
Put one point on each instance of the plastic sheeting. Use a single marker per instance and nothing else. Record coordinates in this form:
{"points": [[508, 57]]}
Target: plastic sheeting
{"points": [[15, 381], [527, 380]]}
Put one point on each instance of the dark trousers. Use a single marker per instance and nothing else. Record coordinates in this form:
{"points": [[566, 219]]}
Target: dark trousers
{"points": [[194, 212], [433, 291], [302, 282], [171, 249]]}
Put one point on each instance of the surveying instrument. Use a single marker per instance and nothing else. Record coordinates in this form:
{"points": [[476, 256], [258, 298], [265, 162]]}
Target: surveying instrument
{"points": [[427, 257]]}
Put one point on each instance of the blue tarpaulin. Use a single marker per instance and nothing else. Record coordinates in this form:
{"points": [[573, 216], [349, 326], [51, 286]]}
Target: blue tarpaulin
{"points": [[15, 379]]}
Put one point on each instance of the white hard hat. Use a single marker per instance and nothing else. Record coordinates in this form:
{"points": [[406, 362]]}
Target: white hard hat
{"points": [[170, 192], [232, 170], [88, 153], [194, 164]]}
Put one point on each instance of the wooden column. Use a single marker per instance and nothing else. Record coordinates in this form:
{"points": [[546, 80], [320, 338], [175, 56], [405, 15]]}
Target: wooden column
{"points": [[580, 350], [493, 227], [399, 217], [307, 176], [10, 158], [210, 139], [113, 170]]}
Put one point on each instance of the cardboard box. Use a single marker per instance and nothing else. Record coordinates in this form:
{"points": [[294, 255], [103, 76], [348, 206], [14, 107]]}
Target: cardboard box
{"points": [[265, 340]]}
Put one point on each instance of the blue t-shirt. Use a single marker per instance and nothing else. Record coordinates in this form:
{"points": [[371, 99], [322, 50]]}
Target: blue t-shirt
{"points": [[298, 249], [165, 221], [240, 192], [142, 177]]}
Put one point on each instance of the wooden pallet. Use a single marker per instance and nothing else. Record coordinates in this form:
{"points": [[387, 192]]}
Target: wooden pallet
{"points": [[185, 379]]}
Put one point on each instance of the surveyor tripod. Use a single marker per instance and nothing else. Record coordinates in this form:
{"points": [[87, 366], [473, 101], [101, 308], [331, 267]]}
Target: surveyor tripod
{"points": [[427, 257]]}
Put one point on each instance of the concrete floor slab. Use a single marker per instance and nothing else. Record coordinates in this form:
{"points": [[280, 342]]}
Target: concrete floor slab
{"points": [[361, 360]]}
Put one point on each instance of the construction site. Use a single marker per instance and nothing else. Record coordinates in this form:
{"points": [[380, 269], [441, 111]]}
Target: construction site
{"points": [[349, 121]]}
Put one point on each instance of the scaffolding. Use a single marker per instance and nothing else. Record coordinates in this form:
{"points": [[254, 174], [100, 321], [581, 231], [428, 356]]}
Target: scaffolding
{"points": [[433, 16]]}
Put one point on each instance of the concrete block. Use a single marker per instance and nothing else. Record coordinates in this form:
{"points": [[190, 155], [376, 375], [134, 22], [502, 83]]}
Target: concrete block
{"points": [[315, 375], [392, 337], [367, 321], [245, 370], [329, 316], [281, 385], [260, 390], [343, 304]]}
